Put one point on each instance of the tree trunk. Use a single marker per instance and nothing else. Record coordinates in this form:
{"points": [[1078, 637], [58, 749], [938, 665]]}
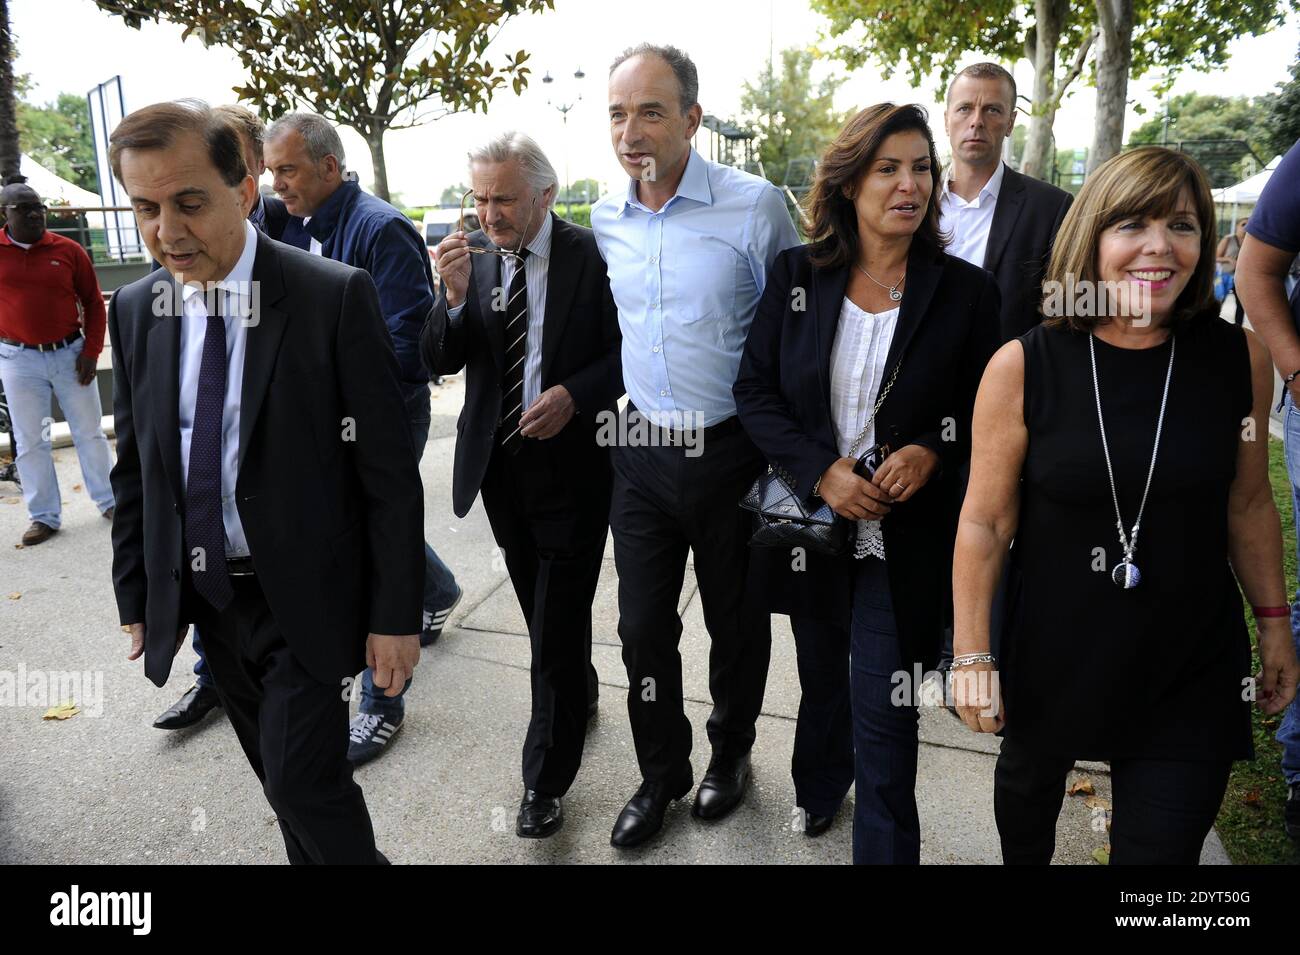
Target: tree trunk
{"points": [[1041, 51], [9, 152], [375, 141], [1115, 55]]}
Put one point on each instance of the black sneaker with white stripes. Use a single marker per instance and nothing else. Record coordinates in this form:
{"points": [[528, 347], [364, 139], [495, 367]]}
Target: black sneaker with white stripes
{"points": [[368, 734], [435, 621]]}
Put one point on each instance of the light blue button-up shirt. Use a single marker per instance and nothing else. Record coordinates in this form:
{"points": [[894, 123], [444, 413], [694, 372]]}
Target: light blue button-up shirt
{"points": [[687, 280]]}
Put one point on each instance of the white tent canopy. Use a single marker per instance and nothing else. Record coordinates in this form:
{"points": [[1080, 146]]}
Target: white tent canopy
{"points": [[1247, 191], [52, 188]]}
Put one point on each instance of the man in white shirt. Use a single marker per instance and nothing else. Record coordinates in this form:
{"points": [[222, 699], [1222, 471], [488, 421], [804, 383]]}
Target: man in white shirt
{"points": [[996, 218]]}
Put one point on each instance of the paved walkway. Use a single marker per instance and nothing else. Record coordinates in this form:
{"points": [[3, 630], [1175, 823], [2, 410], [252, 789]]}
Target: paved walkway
{"points": [[104, 786]]}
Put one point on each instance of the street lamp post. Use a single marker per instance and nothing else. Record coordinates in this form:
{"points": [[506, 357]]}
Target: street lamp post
{"points": [[564, 116]]}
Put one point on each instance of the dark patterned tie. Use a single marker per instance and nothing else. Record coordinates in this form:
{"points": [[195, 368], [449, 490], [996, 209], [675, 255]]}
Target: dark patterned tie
{"points": [[204, 526], [512, 382]]}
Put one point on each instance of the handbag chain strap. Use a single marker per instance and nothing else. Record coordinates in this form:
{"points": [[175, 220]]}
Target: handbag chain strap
{"points": [[871, 418]]}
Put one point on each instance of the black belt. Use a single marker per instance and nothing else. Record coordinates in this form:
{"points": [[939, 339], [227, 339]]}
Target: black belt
{"points": [[48, 346], [721, 429], [240, 567]]}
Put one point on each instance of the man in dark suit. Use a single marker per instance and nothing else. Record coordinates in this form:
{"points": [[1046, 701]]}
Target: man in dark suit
{"points": [[538, 331], [264, 473], [997, 218], [268, 216]]}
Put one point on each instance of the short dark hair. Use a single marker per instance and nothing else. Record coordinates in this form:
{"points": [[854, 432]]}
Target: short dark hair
{"points": [[831, 218], [688, 78], [247, 122], [985, 71], [159, 125]]}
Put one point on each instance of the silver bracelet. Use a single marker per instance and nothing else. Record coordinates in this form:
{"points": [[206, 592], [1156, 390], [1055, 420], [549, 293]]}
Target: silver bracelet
{"points": [[970, 659]]}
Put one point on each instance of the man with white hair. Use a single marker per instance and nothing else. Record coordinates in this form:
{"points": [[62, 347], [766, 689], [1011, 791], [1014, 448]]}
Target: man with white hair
{"points": [[525, 307], [305, 156]]}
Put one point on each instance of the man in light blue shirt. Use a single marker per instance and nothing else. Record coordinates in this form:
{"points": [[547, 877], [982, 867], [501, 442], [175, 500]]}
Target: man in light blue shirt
{"points": [[687, 246]]}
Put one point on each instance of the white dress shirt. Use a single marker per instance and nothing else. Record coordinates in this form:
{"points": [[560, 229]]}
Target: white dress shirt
{"points": [[857, 374], [236, 290], [687, 279], [537, 268], [969, 222]]}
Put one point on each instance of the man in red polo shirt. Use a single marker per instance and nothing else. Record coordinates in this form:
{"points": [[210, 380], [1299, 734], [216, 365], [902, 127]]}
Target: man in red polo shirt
{"points": [[51, 332]]}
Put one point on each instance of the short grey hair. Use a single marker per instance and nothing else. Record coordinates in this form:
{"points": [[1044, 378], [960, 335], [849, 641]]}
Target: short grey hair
{"points": [[688, 78], [317, 132], [537, 169]]}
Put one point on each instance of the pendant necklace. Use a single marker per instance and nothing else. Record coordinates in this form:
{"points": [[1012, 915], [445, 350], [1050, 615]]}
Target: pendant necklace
{"points": [[1125, 574], [894, 293]]}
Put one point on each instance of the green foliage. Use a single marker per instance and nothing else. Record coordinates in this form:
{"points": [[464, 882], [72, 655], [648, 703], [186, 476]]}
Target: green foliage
{"points": [[373, 65], [579, 215], [451, 195], [1193, 116], [585, 191], [1284, 115], [1250, 820], [794, 118]]}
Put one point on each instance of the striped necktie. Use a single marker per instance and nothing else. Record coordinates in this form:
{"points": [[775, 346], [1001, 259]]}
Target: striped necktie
{"points": [[516, 338]]}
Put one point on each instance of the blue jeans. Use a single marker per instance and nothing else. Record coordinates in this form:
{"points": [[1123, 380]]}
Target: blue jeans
{"points": [[886, 825], [439, 583], [29, 378], [1288, 734]]}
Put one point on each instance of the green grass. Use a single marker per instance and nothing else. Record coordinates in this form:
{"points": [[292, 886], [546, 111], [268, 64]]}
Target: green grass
{"points": [[1250, 821]]}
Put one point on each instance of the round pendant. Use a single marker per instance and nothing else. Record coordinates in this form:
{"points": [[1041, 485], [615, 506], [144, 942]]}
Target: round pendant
{"points": [[895, 294], [1125, 575]]}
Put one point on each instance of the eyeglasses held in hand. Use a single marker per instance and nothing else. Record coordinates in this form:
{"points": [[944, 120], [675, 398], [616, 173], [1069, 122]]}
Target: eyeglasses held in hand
{"points": [[513, 253]]}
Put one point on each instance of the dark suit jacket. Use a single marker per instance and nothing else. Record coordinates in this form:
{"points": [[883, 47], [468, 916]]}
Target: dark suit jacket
{"points": [[945, 335], [1025, 221], [277, 216], [328, 490], [580, 350]]}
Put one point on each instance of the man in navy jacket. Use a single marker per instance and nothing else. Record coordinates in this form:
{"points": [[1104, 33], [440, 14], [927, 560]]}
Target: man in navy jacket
{"points": [[341, 222]]}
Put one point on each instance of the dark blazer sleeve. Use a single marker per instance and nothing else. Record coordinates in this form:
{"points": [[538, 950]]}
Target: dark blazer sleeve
{"points": [[384, 459], [130, 584], [600, 384], [982, 340], [442, 340], [763, 410]]}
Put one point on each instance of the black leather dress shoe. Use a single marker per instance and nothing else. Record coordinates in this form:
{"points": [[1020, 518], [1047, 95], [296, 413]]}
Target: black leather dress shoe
{"points": [[643, 815], [539, 816], [197, 702], [814, 825], [722, 788]]}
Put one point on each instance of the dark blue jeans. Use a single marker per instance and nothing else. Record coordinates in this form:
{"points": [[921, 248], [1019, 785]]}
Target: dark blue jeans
{"points": [[439, 582], [886, 825]]}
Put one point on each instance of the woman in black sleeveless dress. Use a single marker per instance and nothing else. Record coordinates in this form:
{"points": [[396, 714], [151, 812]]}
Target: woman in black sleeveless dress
{"points": [[1123, 643]]}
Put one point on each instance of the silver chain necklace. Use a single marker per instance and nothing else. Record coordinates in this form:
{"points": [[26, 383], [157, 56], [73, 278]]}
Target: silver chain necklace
{"points": [[1125, 574], [894, 293]]}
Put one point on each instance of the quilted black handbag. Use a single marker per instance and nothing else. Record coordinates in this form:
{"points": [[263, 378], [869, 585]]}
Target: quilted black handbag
{"points": [[782, 519]]}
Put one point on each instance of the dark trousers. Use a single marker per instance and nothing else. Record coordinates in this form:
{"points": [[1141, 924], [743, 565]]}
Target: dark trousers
{"points": [[886, 824], [549, 510], [1162, 809], [822, 766], [667, 504], [293, 730]]}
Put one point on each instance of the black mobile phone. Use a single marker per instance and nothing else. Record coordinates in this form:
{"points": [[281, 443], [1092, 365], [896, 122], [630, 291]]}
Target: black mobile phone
{"points": [[870, 460]]}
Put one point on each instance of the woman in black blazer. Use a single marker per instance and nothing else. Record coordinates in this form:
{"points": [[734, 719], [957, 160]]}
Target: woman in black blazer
{"points": [[872, 300]]}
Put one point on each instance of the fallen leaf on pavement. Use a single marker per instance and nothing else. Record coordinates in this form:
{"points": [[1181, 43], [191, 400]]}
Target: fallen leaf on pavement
{"points": [[15, 596], [63, 711], [1096, 802], [1081, 786], [1101, 856]]}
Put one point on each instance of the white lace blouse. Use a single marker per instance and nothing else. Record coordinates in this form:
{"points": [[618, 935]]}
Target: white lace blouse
{"points": [[857, 375]]}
